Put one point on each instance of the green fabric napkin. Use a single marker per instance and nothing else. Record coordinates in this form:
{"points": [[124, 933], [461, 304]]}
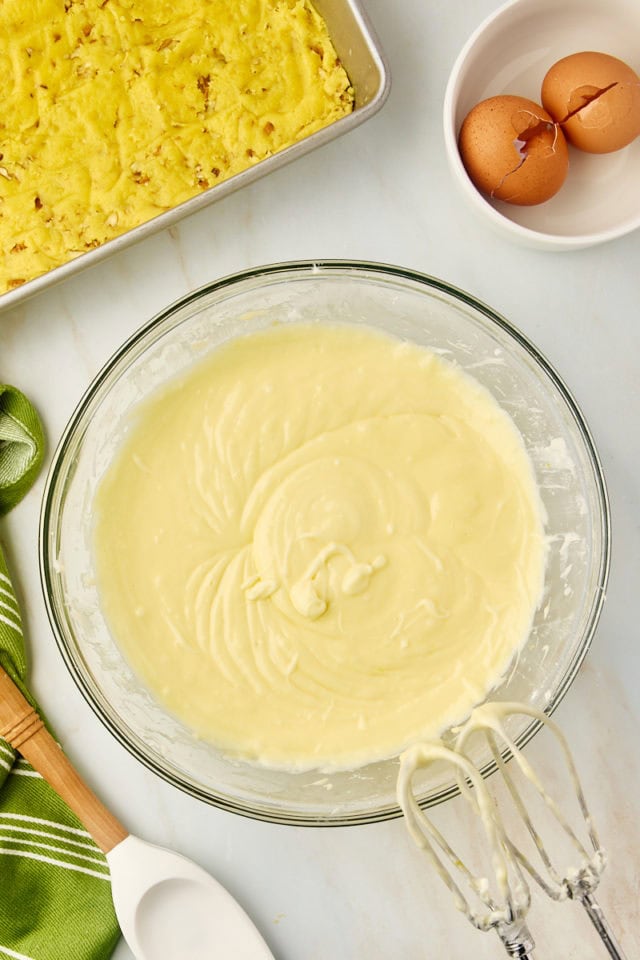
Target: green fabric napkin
{"points": [[55, 894]]}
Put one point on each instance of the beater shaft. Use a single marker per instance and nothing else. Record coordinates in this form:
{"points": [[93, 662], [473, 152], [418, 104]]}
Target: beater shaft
{"points": [[599, 921], [519, 944]]}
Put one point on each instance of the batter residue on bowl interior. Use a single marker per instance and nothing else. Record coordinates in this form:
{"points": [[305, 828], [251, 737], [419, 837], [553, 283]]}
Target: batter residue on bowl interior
{"points": [[319, 545]]}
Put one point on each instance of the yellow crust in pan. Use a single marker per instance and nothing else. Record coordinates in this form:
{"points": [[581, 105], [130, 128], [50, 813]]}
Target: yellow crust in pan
{"points": [[117, 110]]}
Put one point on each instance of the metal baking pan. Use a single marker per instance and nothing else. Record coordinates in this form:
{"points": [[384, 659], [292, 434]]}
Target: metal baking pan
{"points": [[359, 50]]}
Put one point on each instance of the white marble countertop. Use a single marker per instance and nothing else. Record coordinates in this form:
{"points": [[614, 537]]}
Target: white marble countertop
{"points": [[381, 193]]}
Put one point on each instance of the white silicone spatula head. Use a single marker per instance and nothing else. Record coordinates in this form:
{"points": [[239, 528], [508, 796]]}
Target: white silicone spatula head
{"points": [[168, 908]]}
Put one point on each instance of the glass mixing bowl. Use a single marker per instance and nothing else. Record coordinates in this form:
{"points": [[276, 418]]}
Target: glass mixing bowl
{"points": [[408, 305]]}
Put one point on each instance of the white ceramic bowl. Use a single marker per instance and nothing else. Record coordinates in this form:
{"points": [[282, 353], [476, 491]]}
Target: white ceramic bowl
{"points": [[510, 53]]}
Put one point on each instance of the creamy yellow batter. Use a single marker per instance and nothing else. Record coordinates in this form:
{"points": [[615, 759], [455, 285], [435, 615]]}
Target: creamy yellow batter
{"points": [[320, 545]]}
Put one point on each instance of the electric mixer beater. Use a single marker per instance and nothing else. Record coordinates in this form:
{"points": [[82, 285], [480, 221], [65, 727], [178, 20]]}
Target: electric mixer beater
{"points": [[506, 901]]}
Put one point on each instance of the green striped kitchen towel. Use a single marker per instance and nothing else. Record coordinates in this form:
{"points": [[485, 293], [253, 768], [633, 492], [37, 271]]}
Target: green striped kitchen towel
{"points": [[55, 894]]}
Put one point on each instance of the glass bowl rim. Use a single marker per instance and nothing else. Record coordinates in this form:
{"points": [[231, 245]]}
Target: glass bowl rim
{"points": [[306, 269]]}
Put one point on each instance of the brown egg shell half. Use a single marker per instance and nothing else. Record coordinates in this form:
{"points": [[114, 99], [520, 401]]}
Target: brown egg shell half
{"points": [[596, 99], [512, 150]]}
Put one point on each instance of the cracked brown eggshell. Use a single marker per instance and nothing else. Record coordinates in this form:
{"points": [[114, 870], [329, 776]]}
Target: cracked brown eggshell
{"points": [[596, 99], [513, 151]]}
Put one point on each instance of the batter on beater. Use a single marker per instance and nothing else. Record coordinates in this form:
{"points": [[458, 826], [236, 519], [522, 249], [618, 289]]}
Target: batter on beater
{"points": [[320, 545]]}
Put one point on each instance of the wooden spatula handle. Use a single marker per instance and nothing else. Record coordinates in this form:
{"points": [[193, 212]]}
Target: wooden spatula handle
{"points": [[21, 726]]}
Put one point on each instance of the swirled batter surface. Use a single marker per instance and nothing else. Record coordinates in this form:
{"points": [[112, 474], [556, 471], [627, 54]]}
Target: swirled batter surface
{"points": [[320, 545]]}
